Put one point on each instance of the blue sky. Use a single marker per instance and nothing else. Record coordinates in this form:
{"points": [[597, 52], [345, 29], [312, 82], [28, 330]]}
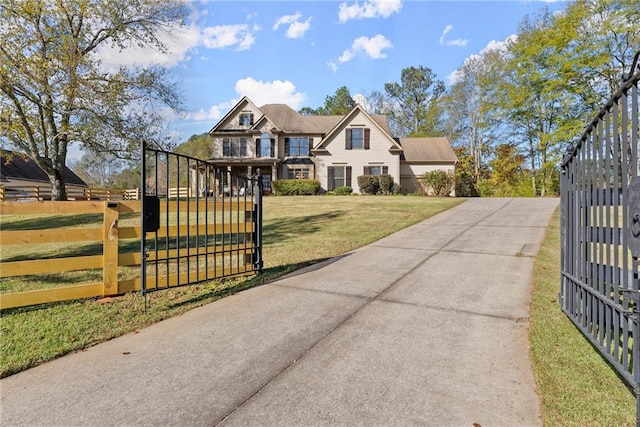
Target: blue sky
{"points": [[298, 52]]}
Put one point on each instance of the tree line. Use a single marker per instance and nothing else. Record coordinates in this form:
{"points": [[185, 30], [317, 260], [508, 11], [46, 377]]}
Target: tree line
{"points": [[511, 111]]}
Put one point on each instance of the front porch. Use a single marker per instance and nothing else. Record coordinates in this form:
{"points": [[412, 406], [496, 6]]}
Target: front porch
{"points": [[266, 167]]}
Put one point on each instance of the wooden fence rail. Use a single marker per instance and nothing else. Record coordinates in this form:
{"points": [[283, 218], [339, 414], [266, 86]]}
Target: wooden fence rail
{"points": [[74, 192], [119, 224]]}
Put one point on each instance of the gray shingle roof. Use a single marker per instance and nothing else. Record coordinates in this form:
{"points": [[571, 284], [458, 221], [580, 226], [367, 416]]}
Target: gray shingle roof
{"points": [[289, 120], [17, 166], [427, 150]]}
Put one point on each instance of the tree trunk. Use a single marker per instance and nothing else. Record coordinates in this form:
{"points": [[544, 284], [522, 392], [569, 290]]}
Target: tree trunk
{"points": [[58, 190]]}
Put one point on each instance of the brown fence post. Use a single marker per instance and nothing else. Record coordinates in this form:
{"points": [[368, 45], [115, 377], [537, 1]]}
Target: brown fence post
{"points": [[110, 249]]}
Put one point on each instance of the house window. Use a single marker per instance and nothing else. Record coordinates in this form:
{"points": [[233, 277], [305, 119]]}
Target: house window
{"points": [[265, 146], [376, 170], [266, 183], [246, 119], [298, 173], [338, 176], [234, 147], [297, 146], [357, 138]]}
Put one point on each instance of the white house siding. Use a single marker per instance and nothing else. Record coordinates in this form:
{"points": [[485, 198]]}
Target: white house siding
{"points": [[409, 173], [377, 155]]}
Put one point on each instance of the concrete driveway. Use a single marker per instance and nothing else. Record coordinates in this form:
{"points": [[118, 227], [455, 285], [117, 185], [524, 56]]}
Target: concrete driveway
{"points": [[427, 326]]}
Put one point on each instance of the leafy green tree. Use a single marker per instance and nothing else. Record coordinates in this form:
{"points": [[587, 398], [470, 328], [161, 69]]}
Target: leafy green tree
{"points": [[98, 169], [198, 146], [338, 104], [55, 91], [470, 121], [417, 108]]}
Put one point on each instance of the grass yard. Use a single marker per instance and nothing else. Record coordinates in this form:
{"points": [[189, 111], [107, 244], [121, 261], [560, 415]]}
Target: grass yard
{"points": [[576, 386], [298, 231]]}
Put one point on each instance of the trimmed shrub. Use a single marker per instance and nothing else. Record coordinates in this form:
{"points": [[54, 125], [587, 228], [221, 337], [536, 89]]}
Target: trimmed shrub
{"points": [[343, 191], [368, 184], [438, 182], [376, 184], [295, 187], [386, 184]]}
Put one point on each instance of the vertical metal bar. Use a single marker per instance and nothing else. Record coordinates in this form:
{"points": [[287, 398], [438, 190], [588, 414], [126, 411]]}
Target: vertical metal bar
{"points": [[613, 128], [259, 264], [188, 222], [167, 217], [604, 126], [155, 237], [602, 190], [574, 219], [197, 185], [143, 192], [218, 175], [635, 130], [590, 147], [622, 137]]}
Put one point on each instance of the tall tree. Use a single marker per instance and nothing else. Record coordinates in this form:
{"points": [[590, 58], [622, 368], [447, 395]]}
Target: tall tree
{"points": [[417, 102], [470, 121], [55, 90], [198, 146], [338, 104], [98, 169]]}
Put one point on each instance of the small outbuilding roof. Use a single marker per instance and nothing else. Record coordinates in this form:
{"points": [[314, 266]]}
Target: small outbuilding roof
{"points": [[18, 166], [427, 150]]}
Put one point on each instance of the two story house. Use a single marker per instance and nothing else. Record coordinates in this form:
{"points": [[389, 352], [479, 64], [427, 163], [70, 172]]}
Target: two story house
{"points": [[335, 150]]}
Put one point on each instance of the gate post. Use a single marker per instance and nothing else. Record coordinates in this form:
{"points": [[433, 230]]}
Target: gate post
{"points": [[110, 249], [257, 254]]}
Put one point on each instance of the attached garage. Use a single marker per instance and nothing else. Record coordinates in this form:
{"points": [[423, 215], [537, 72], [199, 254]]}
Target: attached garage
{"points": [[422, 155]]}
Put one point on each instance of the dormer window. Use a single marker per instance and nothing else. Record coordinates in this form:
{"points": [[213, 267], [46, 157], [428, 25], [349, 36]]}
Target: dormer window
{"points": [[246, 119]]}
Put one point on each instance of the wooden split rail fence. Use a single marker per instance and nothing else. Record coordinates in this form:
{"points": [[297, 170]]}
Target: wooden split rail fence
{"points": [[120, 224]]}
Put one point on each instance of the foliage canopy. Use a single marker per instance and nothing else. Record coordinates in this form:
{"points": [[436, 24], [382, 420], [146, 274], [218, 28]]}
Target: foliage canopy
{"points": [[56, 90]]}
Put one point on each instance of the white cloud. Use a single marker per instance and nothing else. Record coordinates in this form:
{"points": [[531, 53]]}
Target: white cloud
{"points": [[275, 92], [475, 60], [297, 28], [179, 41], [455, 77], [369, 9], [372, 47], [446, 31], [286, 20], [500, 45], [214, 113], [457, 42], [454, 42], [332, 65], [223, 36]]}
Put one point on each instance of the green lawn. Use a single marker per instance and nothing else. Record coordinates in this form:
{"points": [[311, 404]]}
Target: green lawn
{"points": [[297, 231], [576, 386]]}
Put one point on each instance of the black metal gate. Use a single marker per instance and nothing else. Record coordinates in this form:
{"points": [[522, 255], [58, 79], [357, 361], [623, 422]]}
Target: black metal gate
{"points": [[199, 221], [600, 234]]}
